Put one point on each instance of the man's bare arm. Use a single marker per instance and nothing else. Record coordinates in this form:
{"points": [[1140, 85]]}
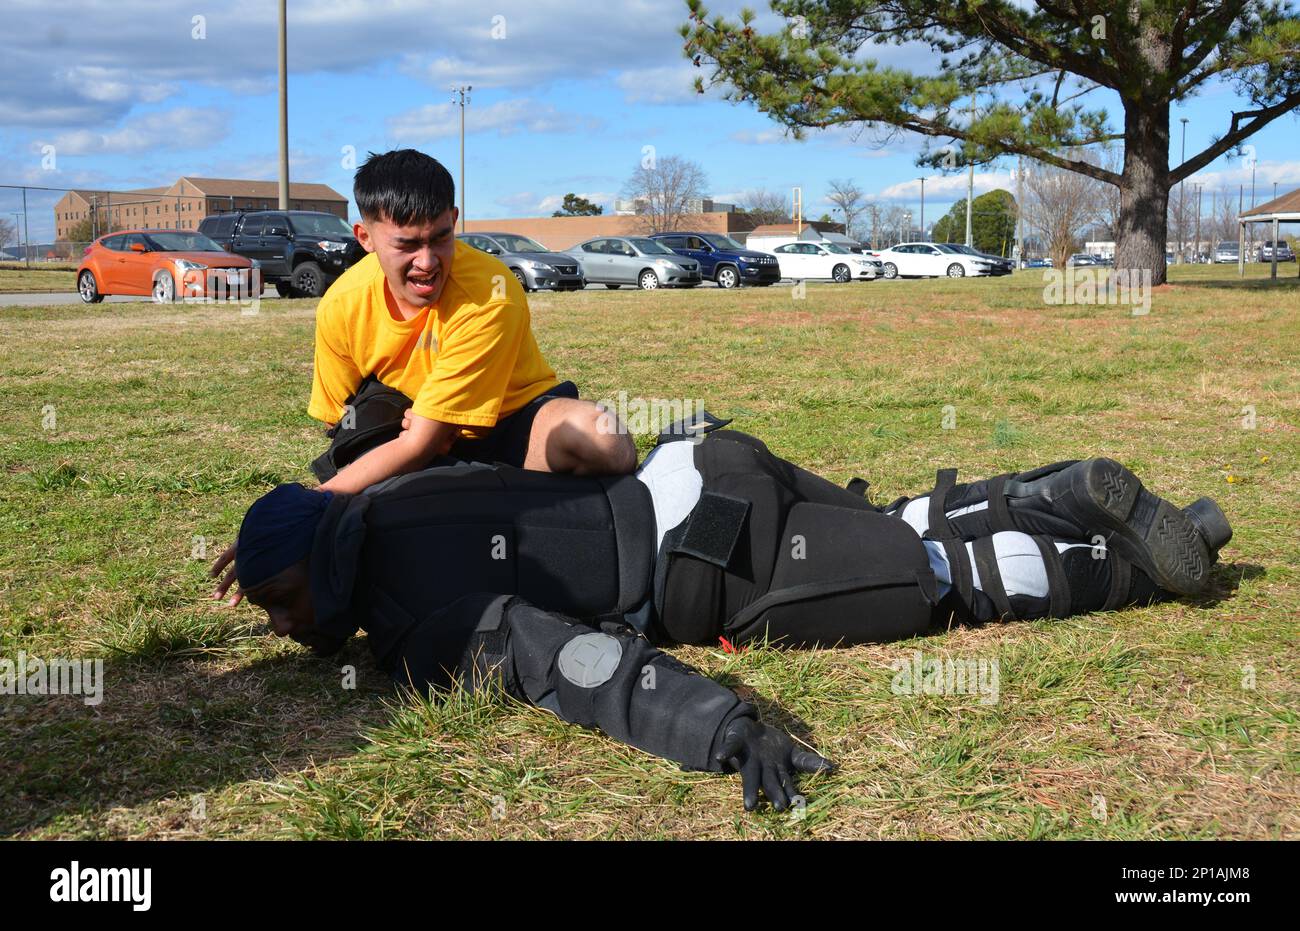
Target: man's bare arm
{"points": [[419, 443]]}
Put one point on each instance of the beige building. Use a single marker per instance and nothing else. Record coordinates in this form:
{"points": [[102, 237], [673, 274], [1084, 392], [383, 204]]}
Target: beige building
{"points": [[560, 233], [183, 205]]}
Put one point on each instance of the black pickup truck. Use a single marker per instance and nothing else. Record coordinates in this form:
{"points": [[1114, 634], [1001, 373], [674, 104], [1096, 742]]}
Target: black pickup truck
{"points": [[301, 252]]}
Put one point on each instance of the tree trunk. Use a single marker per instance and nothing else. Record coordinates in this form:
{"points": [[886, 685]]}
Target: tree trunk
{"points": [[1144, 191]]}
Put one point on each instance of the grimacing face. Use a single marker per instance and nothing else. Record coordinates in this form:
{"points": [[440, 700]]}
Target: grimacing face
{"points": [[286, 599], [416, 259]]}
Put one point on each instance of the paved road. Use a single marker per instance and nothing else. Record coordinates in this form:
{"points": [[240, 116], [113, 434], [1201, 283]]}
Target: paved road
{"points": [[27, 299]]}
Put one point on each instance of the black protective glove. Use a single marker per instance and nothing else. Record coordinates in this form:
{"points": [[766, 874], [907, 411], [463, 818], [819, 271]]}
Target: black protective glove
{"points": [[767, 757]]}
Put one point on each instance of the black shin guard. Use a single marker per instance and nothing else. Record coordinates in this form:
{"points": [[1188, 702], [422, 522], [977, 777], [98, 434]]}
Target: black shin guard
{"points": [[1084, 500], [1081, 580]]}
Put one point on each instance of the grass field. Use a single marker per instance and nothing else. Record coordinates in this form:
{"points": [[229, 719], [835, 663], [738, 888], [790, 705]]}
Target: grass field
{"points": [[16, 278], [136, 435]]}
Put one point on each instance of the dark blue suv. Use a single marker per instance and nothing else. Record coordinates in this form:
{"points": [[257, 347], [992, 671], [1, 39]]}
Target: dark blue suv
{"points": [[723, 259]]}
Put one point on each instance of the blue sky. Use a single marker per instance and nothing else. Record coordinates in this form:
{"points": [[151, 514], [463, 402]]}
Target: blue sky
{"points": [[566, 94]]}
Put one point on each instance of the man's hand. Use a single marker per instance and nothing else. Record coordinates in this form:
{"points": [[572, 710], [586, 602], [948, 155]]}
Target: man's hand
{"points": [[418, 443], [767, 758], [226, 559]]}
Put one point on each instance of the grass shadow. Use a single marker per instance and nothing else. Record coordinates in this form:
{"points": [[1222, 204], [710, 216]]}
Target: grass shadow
{"points": [[178, 728]]}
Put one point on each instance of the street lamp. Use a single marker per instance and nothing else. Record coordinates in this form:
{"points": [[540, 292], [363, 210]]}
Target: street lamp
{"points": [[907, 219], [1198, 223], [922, 208], [284, 107], [460, 97], [1182, 200]]}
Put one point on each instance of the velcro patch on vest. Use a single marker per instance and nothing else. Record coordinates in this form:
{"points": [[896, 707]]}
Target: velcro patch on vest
{"points": [[715, 525]]}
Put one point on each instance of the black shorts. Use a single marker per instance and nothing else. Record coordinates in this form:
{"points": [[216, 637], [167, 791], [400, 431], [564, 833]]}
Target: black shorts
{"points": [[508, 441]]}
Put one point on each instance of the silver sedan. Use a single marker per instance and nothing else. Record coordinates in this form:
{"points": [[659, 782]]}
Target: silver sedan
{"points": [[618, 260]]}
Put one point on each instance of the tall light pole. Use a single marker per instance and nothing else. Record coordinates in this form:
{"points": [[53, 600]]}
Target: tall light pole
{"points": [[1020, 211], [907, 219], [1198, 223], [1182, 201], [284, 106], [27, 236], [460, 98], [922, 208], [970, 184]]}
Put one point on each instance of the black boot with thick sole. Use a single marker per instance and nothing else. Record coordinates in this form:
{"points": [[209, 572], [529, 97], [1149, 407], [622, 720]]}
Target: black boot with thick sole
{"points": [[1104, 497]]}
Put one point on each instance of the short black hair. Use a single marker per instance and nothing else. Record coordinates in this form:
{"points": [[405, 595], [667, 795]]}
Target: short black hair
{"points": [[403, 186]]}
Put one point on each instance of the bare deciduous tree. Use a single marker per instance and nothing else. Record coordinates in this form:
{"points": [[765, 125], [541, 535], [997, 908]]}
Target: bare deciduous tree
{"points": [[1181, 221], [1111, 158], [849, 199], [8, 231], [664, 188], [895, 225], [1223, 215], [766, 207], [1059, 205]]}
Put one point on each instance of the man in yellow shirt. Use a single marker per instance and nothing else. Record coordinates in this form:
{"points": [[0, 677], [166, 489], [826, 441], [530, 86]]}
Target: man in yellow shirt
{"points": [[448, 326]]}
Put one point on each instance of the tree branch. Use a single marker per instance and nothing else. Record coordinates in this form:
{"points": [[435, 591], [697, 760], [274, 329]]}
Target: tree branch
{"points": [[1236, 133]]}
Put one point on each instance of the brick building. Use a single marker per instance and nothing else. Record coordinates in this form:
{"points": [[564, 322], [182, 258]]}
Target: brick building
{"points": [[183, 205]]}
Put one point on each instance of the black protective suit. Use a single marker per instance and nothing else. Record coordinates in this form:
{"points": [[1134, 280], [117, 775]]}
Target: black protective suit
{"points": [[547, 583], [550, 586]]}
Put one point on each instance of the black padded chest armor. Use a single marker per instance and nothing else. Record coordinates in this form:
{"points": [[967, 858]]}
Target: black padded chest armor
{"points": [[387, 559]]}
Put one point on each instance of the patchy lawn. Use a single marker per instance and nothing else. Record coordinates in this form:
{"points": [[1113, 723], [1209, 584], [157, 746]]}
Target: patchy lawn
{"points": [[136, 435]]}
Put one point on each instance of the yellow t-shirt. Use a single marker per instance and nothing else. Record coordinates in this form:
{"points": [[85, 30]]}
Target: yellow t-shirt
{"points": [[470, 359]]}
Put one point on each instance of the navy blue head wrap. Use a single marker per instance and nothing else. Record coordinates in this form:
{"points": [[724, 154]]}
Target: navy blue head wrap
{"points": [[277, 532]]}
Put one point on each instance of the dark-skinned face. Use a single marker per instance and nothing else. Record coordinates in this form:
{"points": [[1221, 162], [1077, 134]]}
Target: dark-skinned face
{"points": [[286, 598]]}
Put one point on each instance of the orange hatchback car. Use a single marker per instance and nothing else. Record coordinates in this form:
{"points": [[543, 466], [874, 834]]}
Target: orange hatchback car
{"points": [[165, 264]]}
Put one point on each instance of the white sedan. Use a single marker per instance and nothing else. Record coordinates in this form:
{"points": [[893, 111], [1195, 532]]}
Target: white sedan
{"points": [[802, 260], [931, 260]]}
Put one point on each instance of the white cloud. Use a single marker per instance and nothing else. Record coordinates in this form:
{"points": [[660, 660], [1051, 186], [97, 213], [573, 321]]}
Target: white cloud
{"points": [[942, 187], [180, 128], [112, 85], [133, 51], [505, 117], [663, 84], [528, 204], [1237, 172], [762, 137]]}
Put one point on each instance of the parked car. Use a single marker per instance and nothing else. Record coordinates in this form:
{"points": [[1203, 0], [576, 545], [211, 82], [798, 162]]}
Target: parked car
{"points": [[722, 259], [163, 264], [1227, 251], [927, 259], [536, 267], [1038, 263], [1284, 253], [1081, 260], [301, 251], [1001, 265], [802, 259], [636, 260]]}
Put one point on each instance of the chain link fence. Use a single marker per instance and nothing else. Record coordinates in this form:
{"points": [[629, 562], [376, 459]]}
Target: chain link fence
{"points": [[35, 220]]}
